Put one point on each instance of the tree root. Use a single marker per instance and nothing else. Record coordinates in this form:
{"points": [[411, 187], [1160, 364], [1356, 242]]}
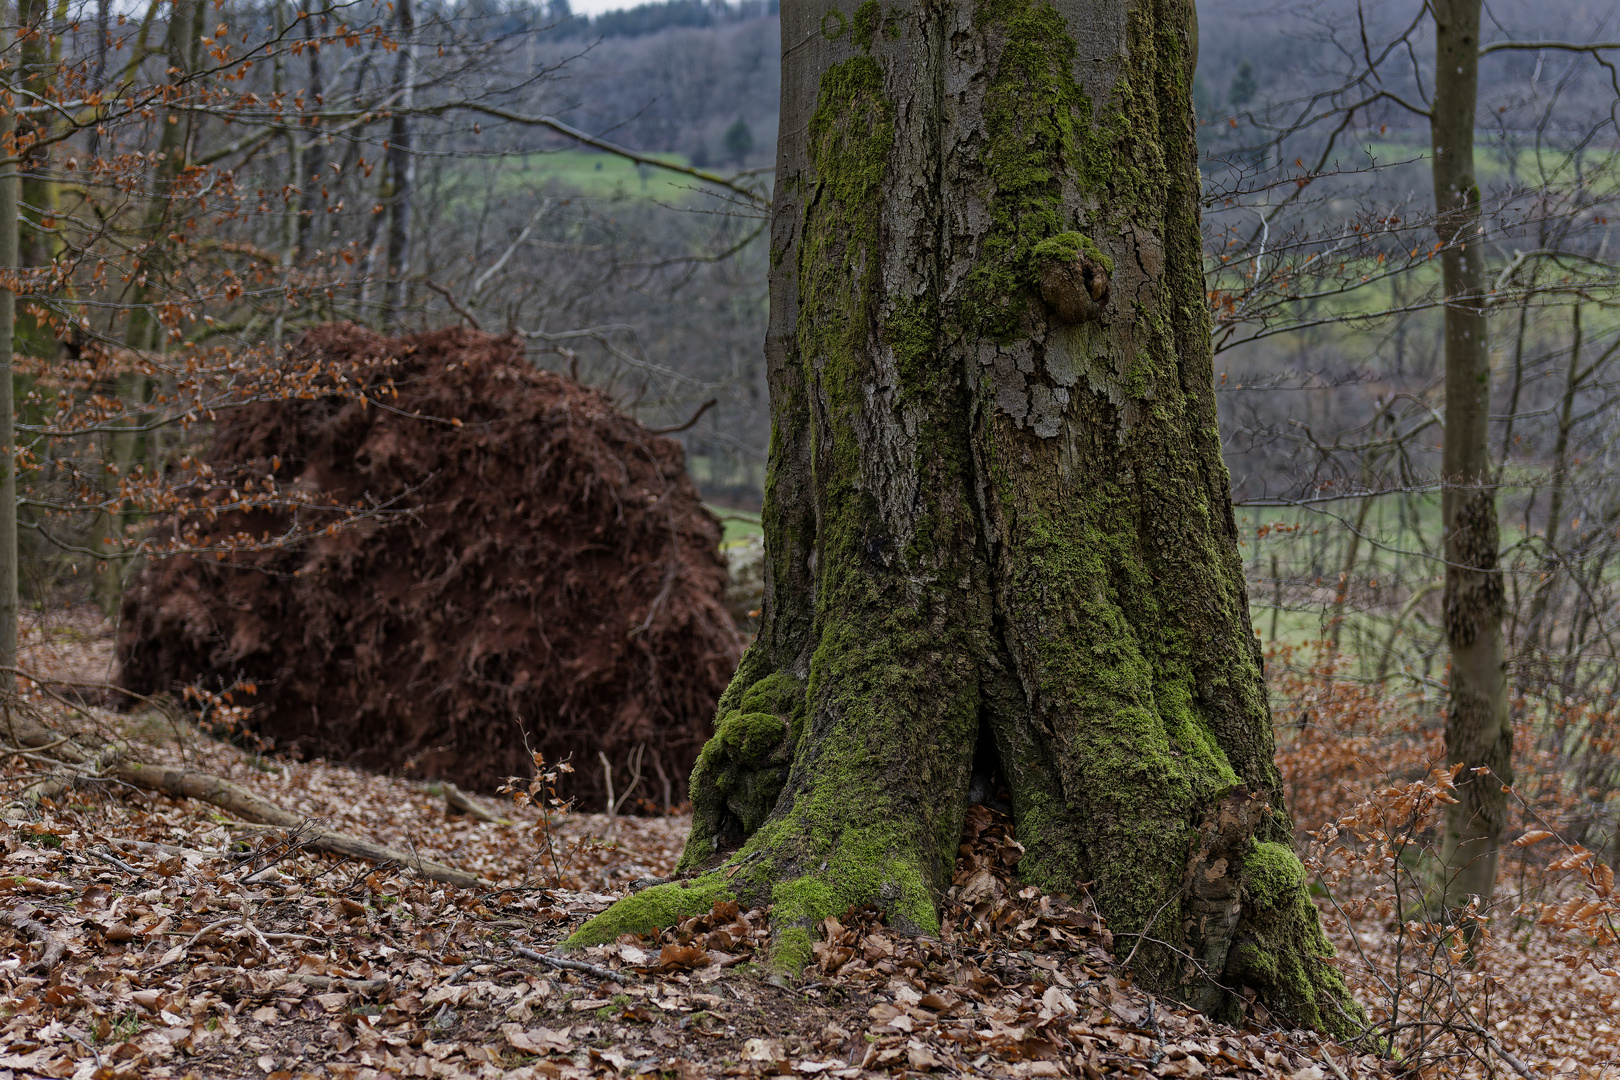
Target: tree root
{"points": [[115, 762], [54, 947]]}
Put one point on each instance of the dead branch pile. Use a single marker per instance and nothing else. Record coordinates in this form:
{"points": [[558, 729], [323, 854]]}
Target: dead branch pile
{"points": [[73, 763], [558, 588]]}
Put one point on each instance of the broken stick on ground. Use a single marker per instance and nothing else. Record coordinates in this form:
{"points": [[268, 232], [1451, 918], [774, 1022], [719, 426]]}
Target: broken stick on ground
{"points": [[115, 761]]}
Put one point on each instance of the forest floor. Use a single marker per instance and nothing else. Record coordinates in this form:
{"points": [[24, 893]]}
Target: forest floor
{"points": [[194, 946]]}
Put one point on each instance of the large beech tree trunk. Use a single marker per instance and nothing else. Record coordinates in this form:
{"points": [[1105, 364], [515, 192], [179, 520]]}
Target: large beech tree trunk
{"points": [[1479, 733], [996, 509]]}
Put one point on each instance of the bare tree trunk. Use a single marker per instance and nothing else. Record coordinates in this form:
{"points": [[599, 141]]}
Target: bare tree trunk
{"points": [[38, 242], [996, 510], [1478, 732], [145, 330], [312, 168], [401, 167], [8, 438], [1537, 635], [368, 277], [292, 228]]}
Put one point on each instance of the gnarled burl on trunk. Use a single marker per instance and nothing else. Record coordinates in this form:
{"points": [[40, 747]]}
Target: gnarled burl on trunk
{"points": [[996, 503]]}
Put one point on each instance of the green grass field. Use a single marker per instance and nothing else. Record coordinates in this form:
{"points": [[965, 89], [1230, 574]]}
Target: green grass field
{"points": [[600, 176], [738, 524]]}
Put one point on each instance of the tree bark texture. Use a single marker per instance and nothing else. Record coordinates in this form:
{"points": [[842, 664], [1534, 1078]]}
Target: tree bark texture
{"points": [[401, 168], [8, 435], [1478, 731], [996, 511]]}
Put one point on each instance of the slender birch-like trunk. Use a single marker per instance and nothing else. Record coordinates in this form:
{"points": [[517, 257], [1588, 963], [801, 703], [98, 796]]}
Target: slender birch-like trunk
{"points": [[401, 167], [8, 436], [1478, 732]]}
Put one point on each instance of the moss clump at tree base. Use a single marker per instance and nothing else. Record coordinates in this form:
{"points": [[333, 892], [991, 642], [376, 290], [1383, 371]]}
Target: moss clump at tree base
{"points": [[863, 867], [652, 910], [1277, 941]]}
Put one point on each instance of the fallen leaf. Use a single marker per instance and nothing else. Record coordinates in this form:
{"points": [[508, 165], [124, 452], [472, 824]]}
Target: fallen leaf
{"points": [[634, 956], [919, 1056], [982, 885], [1058, 1003], [883, 1012], [762, 1050], [538, 1040], [681, 958]]}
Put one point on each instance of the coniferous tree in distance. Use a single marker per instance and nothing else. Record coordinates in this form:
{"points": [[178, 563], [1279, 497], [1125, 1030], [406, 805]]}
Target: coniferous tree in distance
{"points": [[1244, 87], [739, 141]]}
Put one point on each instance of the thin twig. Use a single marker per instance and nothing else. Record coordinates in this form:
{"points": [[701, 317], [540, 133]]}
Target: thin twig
{"points": [[574, 965], [113, 860], [450, 298], [705, 407], [1143, 936]]}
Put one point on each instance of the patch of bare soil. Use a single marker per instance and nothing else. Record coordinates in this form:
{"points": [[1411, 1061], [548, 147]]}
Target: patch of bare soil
{"points": [[559, 588]]}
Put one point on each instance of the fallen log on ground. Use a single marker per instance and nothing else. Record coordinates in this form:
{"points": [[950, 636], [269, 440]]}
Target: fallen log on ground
{"points": [[457, 801], [115, 761]]}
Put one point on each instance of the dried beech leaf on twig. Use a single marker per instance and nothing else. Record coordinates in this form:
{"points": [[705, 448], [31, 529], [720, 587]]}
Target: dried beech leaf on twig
{"points": [[681, 958]]}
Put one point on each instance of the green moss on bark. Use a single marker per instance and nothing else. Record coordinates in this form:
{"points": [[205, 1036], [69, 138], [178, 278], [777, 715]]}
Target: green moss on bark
{"points": [[1155, 706], [1067, 247], [864, 27], [652, 909], [863, 865], [845, 836], [1280, 949], [1034, 114], [778, 693], [749, 738], [740, 772]]}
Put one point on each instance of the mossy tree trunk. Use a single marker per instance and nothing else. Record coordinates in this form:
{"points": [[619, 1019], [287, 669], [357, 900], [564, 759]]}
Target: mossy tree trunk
{"points": [[996, 507]]}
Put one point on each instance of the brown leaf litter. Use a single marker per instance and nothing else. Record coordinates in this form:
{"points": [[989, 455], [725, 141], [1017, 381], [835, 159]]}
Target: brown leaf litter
{"points": [[196, 947]]}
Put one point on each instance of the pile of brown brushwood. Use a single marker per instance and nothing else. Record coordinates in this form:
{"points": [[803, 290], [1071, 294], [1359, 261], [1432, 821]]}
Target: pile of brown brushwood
{"points": [[555, 585]]}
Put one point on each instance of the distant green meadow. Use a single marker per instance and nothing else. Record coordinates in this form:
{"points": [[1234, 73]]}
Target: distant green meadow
{"points": [[599, 176]]}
